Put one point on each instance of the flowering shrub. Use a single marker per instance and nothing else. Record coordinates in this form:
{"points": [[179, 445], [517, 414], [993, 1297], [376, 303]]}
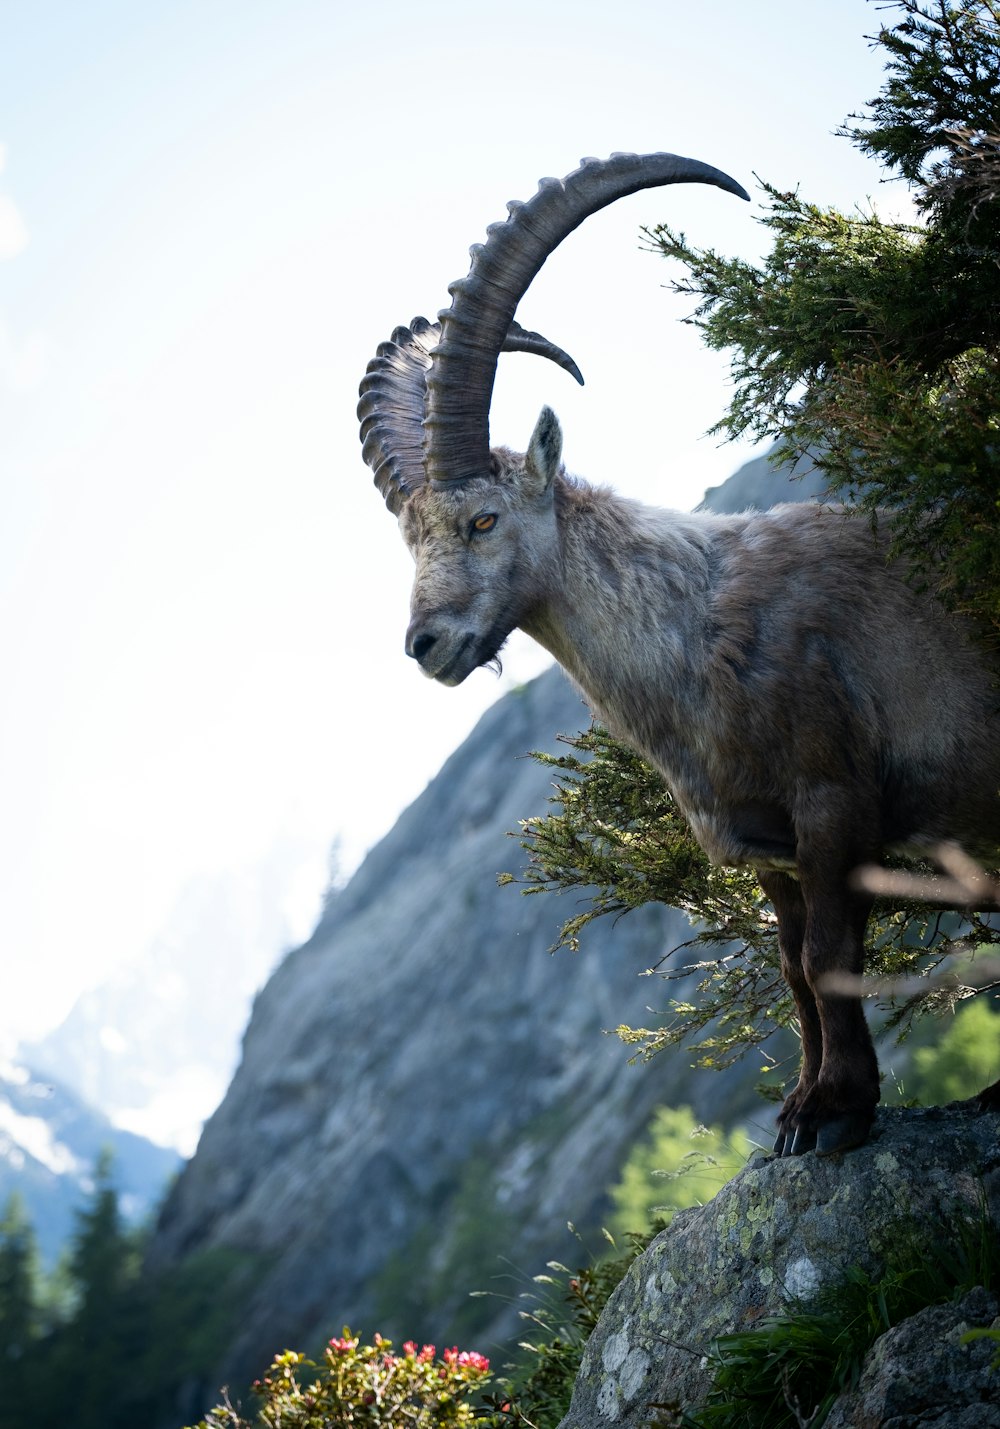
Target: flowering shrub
{"points": [[363, 1385]]}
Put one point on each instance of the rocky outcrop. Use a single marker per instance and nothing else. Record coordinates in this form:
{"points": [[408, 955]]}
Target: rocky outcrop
{"points": [[779, 1232], [925, 1374]]}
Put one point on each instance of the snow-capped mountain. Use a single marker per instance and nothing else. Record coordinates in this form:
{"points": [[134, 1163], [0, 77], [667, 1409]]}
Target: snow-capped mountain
{"points": [[49, 1143]]}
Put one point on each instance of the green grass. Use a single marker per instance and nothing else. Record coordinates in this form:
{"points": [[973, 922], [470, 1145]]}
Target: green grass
{"points": [[790, 1368]]}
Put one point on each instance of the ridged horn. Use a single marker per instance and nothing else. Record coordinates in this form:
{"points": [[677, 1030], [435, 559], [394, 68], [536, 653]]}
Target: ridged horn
{"points": [[461, 376], [393, 398], [391, 409]]}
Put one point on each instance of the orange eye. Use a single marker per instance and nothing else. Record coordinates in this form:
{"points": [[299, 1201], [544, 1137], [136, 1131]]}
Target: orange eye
{"points": [[484, 523]]}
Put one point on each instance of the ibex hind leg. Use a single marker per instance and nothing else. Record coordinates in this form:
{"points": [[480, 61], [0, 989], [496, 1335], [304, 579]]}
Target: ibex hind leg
{"points": [[789, 906], [832, 1106]]}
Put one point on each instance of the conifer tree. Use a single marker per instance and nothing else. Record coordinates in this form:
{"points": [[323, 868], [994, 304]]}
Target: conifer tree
{"points": [[875, 346], [83, 1376], [18, 1309], [99, 1256]]}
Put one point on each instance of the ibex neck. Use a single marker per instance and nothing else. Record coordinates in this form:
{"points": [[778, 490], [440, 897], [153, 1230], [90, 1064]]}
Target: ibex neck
{"points": [[626, 611]]}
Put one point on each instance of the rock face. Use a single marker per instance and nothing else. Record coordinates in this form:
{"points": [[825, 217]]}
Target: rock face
{"points": [[426, 1096], [758, 485], [921, 1374], [780, 1231]]}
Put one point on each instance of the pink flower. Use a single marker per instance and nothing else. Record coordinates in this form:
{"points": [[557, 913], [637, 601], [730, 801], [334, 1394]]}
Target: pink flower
{"points": [[409, 1347], [467, 1359], [342, 1346], [427, 1353], [474, 1360]]}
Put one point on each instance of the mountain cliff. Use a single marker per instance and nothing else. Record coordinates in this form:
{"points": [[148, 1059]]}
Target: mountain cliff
{"points": [[426, 1095]]}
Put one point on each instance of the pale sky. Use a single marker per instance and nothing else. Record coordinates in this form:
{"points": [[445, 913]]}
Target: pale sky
{"points": [[211, 212]]}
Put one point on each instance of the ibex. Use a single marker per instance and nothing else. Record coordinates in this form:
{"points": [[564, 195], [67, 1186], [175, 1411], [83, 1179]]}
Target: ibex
{"points": [[807, 707]]}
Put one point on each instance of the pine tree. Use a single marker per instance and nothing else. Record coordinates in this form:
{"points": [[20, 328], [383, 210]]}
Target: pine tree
{"points": [[875, 346], [18, 1310], [99, 1259], [84, 1376]]}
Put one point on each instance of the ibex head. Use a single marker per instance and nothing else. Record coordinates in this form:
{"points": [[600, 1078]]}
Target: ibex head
{"points": [[480, 524]]}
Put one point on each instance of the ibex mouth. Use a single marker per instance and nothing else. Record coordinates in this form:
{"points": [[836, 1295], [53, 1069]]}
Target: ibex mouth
{"points": [[458, 668], [472, 654], [449, 668]]}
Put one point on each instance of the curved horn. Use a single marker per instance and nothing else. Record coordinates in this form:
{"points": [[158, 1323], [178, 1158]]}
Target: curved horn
{"points": [[393, 397], [519, 339], [461, 376], [391, 410]]}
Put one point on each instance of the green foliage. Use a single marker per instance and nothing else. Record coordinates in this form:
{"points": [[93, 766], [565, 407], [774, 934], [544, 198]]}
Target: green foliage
{"points": [[369, 1385], [964, 1059], [788, 1370], [103, 1265], [614, 835], [363, 1385], [677, 1163], [845, 345], [877, 344], [621, 835], [934, 121], [537, 1390]]}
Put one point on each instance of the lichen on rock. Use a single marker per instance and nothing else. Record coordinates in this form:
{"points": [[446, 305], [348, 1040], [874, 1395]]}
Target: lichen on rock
{"points": [[775, 1235]]}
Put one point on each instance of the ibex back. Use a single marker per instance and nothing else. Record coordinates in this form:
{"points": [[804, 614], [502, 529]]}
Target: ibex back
{"points": [[806, 706]]}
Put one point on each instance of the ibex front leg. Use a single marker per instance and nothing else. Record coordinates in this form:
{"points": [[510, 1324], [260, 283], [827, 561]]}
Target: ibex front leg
{"points": [[821, 932]]}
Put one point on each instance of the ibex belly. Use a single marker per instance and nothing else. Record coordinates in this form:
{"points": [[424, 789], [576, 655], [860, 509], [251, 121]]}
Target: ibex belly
{"points": [[757, 834]]}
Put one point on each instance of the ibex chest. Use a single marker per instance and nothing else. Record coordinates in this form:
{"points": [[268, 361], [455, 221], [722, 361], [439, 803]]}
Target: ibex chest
{"points": [[726, 791]]}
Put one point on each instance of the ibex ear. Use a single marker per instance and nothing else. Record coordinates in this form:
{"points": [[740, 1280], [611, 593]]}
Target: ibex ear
{"points": [[544, 452]]}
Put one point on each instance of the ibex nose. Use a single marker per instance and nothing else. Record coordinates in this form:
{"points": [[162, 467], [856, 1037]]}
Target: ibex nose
{"points": [[419, 644]]}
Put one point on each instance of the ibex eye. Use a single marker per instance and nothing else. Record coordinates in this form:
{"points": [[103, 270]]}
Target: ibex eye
{"points": [[484, 523]]}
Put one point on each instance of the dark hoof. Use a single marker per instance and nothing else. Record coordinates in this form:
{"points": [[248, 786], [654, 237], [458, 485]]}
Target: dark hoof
{"points": [[989, 1098], [794, 1142], [805, 1140], [843, 1134]]}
